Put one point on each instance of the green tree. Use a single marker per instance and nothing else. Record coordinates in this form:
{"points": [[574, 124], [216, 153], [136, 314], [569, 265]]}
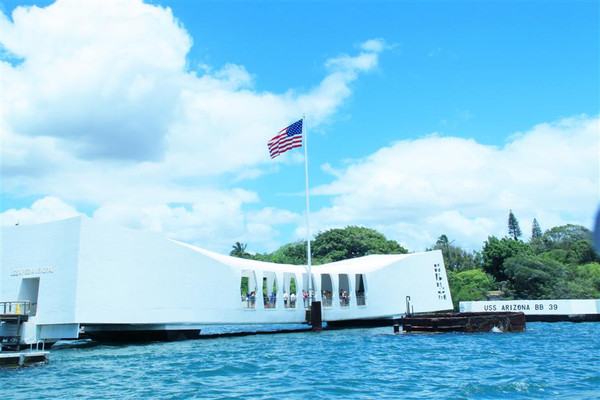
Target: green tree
{"points": [[351, 242], [570, 244], [534, 277], [567, 233], [443, 241], [496, 251], [244, 285], [335, 245], [469, 285], [536, 231], [513, 226], [291, 253], [455, 258], [589, 276], [239, 250]]}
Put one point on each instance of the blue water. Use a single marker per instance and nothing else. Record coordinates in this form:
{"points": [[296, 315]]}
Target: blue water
{"points": [[559, 360]]}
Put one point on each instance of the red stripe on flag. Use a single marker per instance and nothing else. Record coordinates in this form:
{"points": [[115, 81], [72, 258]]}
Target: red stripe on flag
{"points": [[282, 142], [285, 145]]}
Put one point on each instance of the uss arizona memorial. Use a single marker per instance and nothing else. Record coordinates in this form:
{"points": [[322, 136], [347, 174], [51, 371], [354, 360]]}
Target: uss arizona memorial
{"points": [[79, 275]]}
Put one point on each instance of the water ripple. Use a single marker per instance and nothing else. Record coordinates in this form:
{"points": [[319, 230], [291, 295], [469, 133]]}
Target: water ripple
{"points": [[559, 360]]}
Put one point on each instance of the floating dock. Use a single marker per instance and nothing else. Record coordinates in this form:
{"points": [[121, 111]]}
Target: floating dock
{"points": [[23, 358], [465, 322]]}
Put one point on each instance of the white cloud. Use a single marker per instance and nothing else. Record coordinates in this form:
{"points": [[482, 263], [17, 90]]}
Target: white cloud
{"points": [[100, 109], [261, 230], [43, 210], [116, 87], [198, 220], [415, 190], [375, 45], [101, 76]]}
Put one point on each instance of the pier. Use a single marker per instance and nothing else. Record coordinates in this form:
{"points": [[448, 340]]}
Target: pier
{"points": [[12, 315], [23, 358]]}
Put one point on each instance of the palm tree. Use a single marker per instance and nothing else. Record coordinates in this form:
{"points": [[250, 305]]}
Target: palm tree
{"points": [[239, 250]]}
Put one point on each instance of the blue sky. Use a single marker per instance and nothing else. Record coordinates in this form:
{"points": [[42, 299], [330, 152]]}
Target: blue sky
{"points": [[423, 117]]}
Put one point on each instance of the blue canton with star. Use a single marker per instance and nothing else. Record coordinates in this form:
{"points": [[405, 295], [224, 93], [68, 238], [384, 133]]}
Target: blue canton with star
{"points": [[294, 129]]}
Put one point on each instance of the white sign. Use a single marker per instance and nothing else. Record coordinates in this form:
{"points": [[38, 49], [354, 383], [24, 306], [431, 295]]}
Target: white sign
{"points": [[32, 271], [533, 307]]}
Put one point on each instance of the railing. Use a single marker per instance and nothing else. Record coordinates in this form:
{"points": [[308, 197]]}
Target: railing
{"points": [[37, 345], [289, 303], [269, 302], [249, 302], [15, 307]]}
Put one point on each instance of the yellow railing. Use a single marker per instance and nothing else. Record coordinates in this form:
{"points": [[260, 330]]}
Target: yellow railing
{"points": [[15, 307]]}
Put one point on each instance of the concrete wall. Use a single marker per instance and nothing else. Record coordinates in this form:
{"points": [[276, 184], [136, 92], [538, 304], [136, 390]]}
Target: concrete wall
{"points": [[128, 276], [46, 251], [392, 280], [91, 273]]}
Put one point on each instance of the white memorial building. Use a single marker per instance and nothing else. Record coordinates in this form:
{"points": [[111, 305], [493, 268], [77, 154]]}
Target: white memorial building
{"points": [[62, 278]]}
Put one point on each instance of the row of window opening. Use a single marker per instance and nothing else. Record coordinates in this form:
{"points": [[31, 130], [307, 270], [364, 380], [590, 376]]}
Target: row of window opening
{"points": [[250, 294]]}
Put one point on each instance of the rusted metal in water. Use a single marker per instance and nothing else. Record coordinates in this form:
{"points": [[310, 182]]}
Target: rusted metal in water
{"points": [[465, 322]]}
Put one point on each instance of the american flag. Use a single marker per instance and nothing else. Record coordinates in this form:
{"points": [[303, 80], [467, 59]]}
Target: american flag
{"points": [[287, 139]]}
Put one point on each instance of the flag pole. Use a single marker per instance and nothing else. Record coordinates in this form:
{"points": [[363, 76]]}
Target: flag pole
{"points": [[308, 252]]}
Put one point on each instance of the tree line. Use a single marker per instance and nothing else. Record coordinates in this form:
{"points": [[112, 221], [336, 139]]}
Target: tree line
{"points": [[559, 263], [331, 245]]}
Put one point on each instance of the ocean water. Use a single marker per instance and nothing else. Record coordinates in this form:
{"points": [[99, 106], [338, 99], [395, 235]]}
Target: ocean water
{"points": [[548, 361]]}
